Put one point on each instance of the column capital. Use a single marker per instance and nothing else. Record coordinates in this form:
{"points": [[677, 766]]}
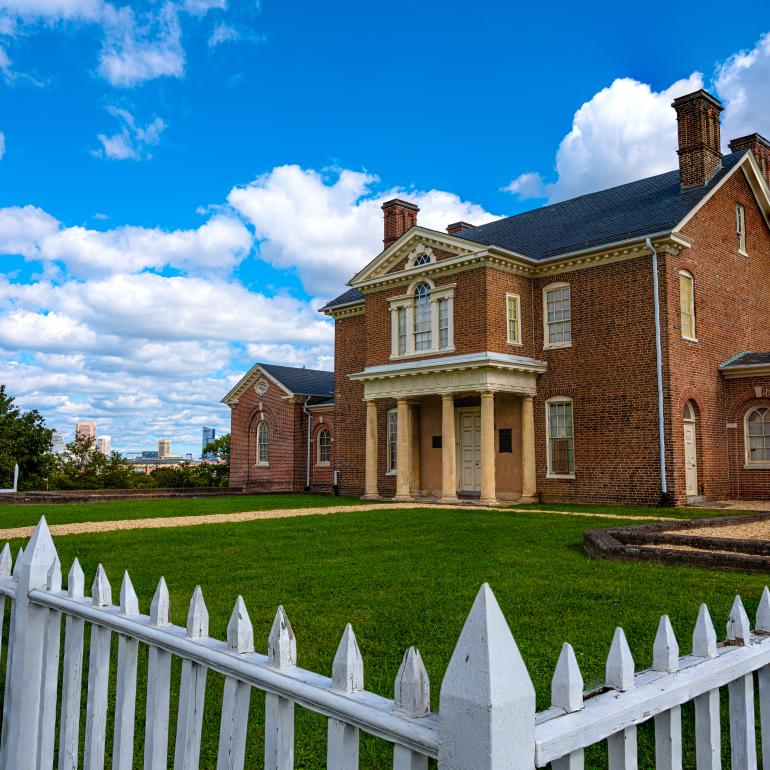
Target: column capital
{"points": [[488, 394], [528, 397], [447, 396]]}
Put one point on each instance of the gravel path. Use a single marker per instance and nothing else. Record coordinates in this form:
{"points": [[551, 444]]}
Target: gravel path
{"points": [[755, 530], [87, 527]]}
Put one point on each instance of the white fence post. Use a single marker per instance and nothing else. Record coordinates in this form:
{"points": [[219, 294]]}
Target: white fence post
{"points": [[125, 689], [158, 688], [347, 677], [26, 655], [487, 701], [708, 749], [619, 675], [50, 683], [279, 712], [743, 745], [567, 694], [413, 700]]}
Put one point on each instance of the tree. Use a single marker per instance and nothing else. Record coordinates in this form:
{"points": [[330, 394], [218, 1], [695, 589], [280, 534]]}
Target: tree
{"points": [[24, 439], [82, 466], [219, 449]]}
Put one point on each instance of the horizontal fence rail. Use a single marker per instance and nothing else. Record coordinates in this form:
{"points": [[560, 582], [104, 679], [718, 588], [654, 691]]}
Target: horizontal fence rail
{"points": [[487, 718]]}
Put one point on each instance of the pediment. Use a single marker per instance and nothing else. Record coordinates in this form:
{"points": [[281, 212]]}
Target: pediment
{"points": [[252, 379], [415, 242]]}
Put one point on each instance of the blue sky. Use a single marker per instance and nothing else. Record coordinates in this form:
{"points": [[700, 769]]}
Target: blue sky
{"points": [[183, 182]]}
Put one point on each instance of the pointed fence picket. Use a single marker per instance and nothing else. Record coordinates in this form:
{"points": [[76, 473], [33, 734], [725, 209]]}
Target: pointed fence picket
{"points": [[486, 720]]}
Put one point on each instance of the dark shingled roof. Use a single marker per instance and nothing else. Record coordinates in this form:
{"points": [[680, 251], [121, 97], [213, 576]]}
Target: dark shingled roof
{"points": [[748, 359], [348, 298], [307, 382], [632, 210]]}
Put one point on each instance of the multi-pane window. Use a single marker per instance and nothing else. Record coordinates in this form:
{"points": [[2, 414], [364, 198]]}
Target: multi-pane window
{"points": [[740, 225], [513, 310], [324, 447], [392, 440], [263, 444], [758, 436], [687, 304], [558, 316], [561, 443], [401, 320], [443, 323], [423, 259], [422, 318]]}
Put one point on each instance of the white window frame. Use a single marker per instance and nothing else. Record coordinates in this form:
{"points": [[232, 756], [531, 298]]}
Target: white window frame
{"points": [[749, 463], [420, 251], [517, 339], [547, 345], [691, 277], [558, 400], [263, 426], [740, 227], [318, 461], [391, 443], [405, 304]]}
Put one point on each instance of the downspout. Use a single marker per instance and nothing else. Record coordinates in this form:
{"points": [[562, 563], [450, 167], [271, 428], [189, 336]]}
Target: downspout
{"points": [[665, 498], [309, 420]]}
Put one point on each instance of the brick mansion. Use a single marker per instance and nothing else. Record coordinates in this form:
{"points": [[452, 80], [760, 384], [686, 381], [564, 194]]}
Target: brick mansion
{"points": [[612, 347]]}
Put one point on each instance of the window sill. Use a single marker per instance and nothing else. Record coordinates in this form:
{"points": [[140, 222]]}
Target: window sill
{"points": [[418, 353], [743, 253], [391, 473], [322, 465], [516, 344], [557, 345], [689, 339], [565, 476], [756, 467], [262, 465]]}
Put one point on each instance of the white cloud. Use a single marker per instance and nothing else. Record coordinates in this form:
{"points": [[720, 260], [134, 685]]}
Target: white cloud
{"points": [[53, 10], [2, 144], [627, 131], [217, 245], [743, 82], [202, 7], [329, 225], [132, 141], [135, 52], [223, 33], [529, 185]]}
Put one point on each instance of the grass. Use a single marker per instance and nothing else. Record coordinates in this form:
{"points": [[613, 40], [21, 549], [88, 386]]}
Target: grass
{"points": [[67, 513], [408, 577]]}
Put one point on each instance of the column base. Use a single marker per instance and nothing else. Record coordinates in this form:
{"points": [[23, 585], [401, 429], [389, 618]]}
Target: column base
{"points": [[403, 499], [449, 500], [371, 497], [527, 499]]}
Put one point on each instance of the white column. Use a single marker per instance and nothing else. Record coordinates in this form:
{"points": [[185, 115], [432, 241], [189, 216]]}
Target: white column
{"points": [[414, 440], [370, 489], [528, 466], [488, 492], [403, 453], [448, 451]]}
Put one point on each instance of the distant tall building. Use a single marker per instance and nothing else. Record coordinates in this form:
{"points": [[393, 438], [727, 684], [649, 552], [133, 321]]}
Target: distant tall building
{"points": [[103, 444], [85, 429], [57, 443], [209, 434], [164, 447]]}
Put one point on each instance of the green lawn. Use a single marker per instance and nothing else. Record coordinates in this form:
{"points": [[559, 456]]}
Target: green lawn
{"points": [[404, 577], [66, 513]]}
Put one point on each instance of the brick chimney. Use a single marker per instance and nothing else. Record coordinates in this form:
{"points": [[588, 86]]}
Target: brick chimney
{"points": [[399, 217], [761, 149], [700, 154], [458, 227]]}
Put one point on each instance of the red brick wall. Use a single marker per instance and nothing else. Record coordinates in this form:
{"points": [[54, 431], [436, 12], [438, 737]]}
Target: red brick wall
{"points": [[350, 347], [741, 397], [732, 297]]}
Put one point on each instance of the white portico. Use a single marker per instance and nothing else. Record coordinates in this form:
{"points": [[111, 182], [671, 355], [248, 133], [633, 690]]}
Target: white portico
{"points": [[461, 425]]}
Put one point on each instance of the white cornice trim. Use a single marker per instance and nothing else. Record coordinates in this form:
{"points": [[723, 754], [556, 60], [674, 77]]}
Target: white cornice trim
{"points": [[255, 373], [448, 363], [736, 371]]}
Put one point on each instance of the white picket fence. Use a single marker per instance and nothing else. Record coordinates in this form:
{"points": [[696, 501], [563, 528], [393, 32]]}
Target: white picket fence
{"points": [[487, 718]]}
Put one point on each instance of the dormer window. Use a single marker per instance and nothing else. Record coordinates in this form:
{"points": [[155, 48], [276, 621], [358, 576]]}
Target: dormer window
{"points": [[422, 321]]}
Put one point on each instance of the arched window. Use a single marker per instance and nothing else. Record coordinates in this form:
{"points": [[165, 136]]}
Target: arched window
{"points": [[423, 259], [263, 444], [689, 412], [758, 436], [423, 320], [323, 447]]}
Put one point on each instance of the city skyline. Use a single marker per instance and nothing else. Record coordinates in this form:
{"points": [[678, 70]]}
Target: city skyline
{"points": [[217, 169]]}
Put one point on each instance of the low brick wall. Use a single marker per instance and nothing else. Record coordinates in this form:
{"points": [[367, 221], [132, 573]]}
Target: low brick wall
{"points": [[113, 495], [624, 543]]}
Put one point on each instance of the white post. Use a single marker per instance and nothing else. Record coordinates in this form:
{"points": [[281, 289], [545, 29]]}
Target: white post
{"points": [[708, 750], [487, 701], [412, 698], [26, 661], [743, 745], [668, 724], [619, 675], [50, 684], [125, 690], [158, 688], [279, 712], [567, 694], [347, 677]]}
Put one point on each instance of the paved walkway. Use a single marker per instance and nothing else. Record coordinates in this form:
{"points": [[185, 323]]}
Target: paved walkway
{"points": [[87, 527]]}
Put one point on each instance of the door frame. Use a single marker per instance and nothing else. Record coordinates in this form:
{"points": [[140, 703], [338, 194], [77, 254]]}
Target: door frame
{"points": [[690, 422], [459, 412]]}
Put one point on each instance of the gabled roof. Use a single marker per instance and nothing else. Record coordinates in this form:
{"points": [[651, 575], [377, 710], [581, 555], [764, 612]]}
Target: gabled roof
{"points": [[641, 208], [295, 381], [350, 297]]}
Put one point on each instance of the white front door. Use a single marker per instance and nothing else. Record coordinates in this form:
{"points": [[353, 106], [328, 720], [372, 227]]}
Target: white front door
{"points": [[469, 456], [690, 460]]}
